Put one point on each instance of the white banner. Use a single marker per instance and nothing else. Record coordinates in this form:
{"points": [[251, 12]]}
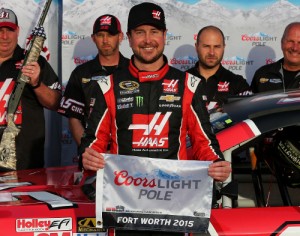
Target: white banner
{"points": [[153, 194]]}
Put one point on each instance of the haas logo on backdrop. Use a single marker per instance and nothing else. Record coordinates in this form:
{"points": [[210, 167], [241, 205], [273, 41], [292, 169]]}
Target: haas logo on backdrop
{"points": [[153, 134]]}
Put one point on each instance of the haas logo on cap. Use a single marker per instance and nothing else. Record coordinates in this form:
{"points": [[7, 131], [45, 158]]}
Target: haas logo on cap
{"points": [[156, 14], [105, 20]]}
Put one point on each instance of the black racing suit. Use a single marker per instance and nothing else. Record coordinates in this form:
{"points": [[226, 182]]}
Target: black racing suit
{"points": [[150, 114], [271, 77]]}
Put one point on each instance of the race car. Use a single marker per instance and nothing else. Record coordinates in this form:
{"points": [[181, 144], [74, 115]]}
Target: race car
{"points": [[54, 202]]}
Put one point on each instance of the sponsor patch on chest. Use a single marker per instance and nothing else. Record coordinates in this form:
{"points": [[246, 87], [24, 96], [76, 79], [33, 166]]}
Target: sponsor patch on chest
{"points": [[223, 86], [150, 131]]}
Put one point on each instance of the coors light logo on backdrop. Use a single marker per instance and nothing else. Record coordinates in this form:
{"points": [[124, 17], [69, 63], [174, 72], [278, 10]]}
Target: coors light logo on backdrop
{"points": [[258, 39], [171, 37], [80, 60], [70, 38], [236, 63], [183, 63], [270, 60]]}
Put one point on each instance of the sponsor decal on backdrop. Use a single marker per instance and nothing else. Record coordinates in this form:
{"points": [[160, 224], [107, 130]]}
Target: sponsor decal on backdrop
{"points": [[236, 63], [183, 63], [171, 37], [270, 60], [167, 200], [83, 59], [258, 39], [70, 38]]}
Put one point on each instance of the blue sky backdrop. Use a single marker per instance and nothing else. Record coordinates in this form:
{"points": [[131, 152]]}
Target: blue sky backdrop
{"points": [[243, 4]]}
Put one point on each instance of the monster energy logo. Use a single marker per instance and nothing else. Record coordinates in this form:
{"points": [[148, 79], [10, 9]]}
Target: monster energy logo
{"points": [[139, 101]]}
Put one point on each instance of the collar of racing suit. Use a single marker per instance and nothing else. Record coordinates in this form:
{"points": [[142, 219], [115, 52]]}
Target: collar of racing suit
{"points": [[148, 76]]}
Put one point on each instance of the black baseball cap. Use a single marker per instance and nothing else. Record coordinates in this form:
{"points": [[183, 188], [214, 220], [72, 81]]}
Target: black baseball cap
{"points": [[107, 23], [8, 19], [146, 13]]}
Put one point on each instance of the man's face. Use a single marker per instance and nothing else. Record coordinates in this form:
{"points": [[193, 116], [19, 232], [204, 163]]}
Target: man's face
{"points": [[290, 46], [8, 41], [210, 48], [107, 43], [147, 43]]}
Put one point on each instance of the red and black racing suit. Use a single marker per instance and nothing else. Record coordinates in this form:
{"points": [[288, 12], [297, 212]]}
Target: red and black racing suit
{"points": [[150, 114]]}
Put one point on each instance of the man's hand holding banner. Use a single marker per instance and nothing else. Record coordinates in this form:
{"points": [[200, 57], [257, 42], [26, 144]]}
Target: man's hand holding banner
{"points": [[153, 194]]}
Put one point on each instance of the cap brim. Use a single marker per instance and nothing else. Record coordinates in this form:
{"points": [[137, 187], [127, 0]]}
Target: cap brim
{"points": [[9, 25], [155, 24], [109, 31]]}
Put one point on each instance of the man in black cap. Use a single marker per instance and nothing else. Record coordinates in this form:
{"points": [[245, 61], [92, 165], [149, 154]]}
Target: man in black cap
{"points": [[43, 90], [78, 100], [150, 108]]}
